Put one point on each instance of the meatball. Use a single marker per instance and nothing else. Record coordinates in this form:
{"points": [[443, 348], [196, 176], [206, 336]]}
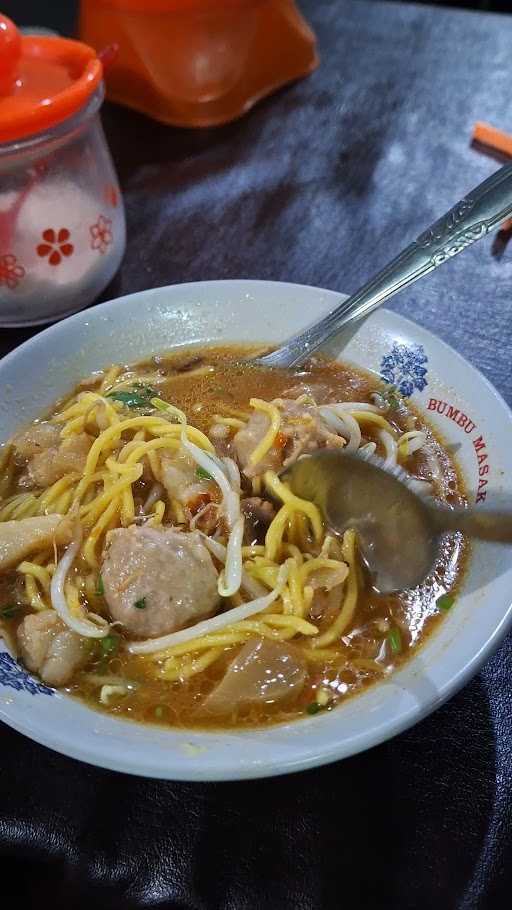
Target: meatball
{"points": [[158, 580]]}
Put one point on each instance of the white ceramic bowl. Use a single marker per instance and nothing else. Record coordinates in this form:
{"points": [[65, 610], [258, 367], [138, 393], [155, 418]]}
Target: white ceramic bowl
{"points": [[459, 402]]}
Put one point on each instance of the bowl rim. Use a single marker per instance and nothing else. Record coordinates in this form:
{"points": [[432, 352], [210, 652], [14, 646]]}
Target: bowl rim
{"points": [[308, 757]]}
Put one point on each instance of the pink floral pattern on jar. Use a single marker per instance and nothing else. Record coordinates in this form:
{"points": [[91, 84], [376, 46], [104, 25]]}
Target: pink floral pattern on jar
{"points": [[11, 272], [101, 234], [56, 245]]}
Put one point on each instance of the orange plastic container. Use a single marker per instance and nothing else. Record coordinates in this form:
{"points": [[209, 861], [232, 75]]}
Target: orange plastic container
{"points": [[198, 62]]}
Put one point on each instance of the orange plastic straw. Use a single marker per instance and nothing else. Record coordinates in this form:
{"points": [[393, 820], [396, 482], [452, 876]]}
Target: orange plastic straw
{"points": [[490, 136]]}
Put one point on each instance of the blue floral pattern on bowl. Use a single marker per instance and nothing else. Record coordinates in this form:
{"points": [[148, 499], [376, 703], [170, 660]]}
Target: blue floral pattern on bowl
{"points": [[405, 368], [14, 676]]}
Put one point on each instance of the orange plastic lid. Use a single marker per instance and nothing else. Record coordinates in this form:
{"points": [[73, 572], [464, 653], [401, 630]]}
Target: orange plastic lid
{"points": [[43, 80], [175, 6]]}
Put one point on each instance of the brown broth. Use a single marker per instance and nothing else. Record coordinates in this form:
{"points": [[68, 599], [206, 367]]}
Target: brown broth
{"points": [[228, 385]]}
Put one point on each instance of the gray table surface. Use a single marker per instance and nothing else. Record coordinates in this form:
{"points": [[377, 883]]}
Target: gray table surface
{"points": [[320, 184]]}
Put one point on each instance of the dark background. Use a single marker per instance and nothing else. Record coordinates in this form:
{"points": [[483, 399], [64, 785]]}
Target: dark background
{"points": [[61, 14], [336, 169]]}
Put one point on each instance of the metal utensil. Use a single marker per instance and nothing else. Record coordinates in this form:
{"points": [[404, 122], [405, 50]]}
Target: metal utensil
{"points": [[482, 211], [398, 530]]}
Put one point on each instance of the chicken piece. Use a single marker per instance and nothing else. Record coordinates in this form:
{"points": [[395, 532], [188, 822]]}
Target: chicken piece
{"points": [[50, 465], [158, 580], [263, 672], [305, 431], [20, 537], [49, 648], [302, 430], [36, 439], [246, 440], [258, 514], [178, 473]]}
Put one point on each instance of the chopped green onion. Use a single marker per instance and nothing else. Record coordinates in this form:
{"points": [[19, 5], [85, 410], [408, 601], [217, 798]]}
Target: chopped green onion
{"points": [[145, 390], [158, 403], [314, 708], [202, 474], [159, 711], [395, 641], [134, 398], [9, 612], [140, 604], [100, 587], [109, 645], [445, 601], [391, 395]]}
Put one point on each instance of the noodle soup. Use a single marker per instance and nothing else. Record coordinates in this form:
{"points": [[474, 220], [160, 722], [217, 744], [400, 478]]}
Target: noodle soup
{"points": [[153, 563]]}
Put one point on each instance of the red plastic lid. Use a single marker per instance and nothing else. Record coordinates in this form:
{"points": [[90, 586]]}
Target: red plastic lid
{"points": [[43, 80]]}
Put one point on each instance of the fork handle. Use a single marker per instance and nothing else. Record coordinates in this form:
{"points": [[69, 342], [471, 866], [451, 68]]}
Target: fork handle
{"points": [[481, 211]]}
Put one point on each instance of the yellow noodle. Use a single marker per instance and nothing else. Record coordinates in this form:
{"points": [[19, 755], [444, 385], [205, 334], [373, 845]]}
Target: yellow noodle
{"points": [[26, 509], [53, 492], [215, 639], [292, 622], [33, 596], [254, 550], [76, 425], [288, 606], [308, 594], [91, 511], [96, 532], [158, 514], [37, 571], [372, 417], [173, 671], [269, 438], [256, 484], [344, 618], [7, 512], [275, 531], [109, 378], [323, 655], [295, 587], [234, 422], [266, 574], [278, 488], [178, 512], [292, 550]]}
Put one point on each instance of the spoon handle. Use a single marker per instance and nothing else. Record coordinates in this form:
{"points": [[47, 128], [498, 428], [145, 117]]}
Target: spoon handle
{"points": [[495, 526], [481, 211]]}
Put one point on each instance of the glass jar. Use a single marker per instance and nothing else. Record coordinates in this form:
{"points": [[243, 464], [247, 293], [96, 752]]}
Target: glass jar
{"points": [[62, 227]]}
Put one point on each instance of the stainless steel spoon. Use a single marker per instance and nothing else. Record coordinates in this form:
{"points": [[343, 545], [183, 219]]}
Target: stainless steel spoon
{"points": [[482, 211], [398, 530]]}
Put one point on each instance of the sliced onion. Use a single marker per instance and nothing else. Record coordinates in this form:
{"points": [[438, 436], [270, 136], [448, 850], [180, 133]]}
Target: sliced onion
{"points": [[84, 627], [207, 626]]}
